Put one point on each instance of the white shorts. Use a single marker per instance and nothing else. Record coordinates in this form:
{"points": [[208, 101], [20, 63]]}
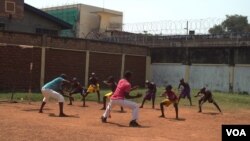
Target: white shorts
{"points": [[51, 93]]}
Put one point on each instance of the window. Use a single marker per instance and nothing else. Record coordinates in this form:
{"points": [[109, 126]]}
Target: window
{"points": [[46, 31], [10, 7], [2, 26]]}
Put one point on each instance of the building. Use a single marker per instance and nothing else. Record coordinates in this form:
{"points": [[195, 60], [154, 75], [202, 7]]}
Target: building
{"points": [[87, 19], [17, 16]]}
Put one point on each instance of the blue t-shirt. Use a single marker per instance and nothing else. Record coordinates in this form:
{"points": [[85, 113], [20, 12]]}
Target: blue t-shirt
{"points": [[55, 84]]}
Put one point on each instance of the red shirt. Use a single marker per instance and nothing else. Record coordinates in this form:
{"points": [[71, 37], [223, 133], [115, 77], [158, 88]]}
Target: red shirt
{"points": [[122, 88], [171, 95]]}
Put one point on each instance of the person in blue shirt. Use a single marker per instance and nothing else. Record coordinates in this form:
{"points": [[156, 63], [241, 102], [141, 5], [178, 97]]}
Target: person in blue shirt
{"points": [[54, 89]]}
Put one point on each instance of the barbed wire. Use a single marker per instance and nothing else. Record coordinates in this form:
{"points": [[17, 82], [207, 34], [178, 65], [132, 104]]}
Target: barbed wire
{"points": [[170, 27]]}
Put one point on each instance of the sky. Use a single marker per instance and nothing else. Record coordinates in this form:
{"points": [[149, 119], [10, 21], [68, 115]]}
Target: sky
{"points": [[140, 11], [164, 16]]}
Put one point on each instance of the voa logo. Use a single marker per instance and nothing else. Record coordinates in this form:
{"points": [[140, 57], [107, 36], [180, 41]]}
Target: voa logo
{"points": [[236, 132]]}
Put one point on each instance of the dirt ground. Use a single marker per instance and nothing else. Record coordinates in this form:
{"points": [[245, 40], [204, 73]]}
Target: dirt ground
{"points": [[22, 122]]}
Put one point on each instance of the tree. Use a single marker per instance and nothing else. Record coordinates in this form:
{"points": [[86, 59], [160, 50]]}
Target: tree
{"points": [[232, 24], [217, 29]]}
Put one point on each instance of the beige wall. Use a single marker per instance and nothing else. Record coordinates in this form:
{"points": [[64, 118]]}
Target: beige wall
{"points": [[93, 18], [97, 19]]}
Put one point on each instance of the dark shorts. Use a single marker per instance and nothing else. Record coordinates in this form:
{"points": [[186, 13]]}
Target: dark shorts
{"points": [[185, 93], [149, 96], [209, 99], [79, 90]]}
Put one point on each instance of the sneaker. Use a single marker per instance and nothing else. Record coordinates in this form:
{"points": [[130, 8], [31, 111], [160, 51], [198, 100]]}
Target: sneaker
{"points": [[133, 123], [104, 120]]}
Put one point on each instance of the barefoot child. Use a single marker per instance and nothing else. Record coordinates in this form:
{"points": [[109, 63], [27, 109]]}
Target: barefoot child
{"points": [[76, 87], [93, 87], [170, 98], [185, 92], [207, 96], [150, 93]]}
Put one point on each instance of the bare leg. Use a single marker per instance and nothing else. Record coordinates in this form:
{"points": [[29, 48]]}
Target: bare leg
{"points": [[142, 103], [176, 110], [70, 100], [179, 98], [217, 106], [84, 99], [201, 101], [153, 102], [162, 110], [104, 103], [122, 110], [41, 108], [98, 95], [61, 114], [190, 101]]}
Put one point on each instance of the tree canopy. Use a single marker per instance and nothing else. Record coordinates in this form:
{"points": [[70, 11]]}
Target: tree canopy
{"points": [[232, 24]]}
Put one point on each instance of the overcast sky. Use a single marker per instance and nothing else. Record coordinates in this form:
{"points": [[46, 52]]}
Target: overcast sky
{"points": [[138, 11]]}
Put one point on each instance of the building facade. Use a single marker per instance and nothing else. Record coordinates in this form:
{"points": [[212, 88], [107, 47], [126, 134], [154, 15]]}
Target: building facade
{"points": [[17, 16], [87, 19]]}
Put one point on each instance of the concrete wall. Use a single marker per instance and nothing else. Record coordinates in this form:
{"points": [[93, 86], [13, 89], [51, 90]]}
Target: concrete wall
{"points": [[242, 78], [167, 73], [214, 76]]}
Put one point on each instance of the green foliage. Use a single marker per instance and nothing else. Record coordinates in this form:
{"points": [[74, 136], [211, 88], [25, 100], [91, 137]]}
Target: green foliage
{"points": [[232, 24], [217, 29]]}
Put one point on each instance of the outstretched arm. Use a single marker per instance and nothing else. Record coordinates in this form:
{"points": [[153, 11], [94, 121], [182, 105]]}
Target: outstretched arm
{"points": [[107, 83], [163, 94], [179, 86], [134, 88], [198, 94], [127, 96], [64, 82]]}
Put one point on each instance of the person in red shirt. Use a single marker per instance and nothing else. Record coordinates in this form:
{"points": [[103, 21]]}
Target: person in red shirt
{"points": [[170, 98], [118, 98]]}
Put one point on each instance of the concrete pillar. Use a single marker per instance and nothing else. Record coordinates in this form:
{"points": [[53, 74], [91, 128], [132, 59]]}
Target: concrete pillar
{"points": [[231, 78], [123, 65], [187, 73], [87, 69], [148, 68], [43, 54]]}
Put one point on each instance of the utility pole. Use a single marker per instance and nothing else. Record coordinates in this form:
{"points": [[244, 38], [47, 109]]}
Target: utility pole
{"points": [[187, 30]]}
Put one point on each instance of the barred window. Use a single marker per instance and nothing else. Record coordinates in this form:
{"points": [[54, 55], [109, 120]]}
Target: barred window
{"points": [[10, 7]]}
